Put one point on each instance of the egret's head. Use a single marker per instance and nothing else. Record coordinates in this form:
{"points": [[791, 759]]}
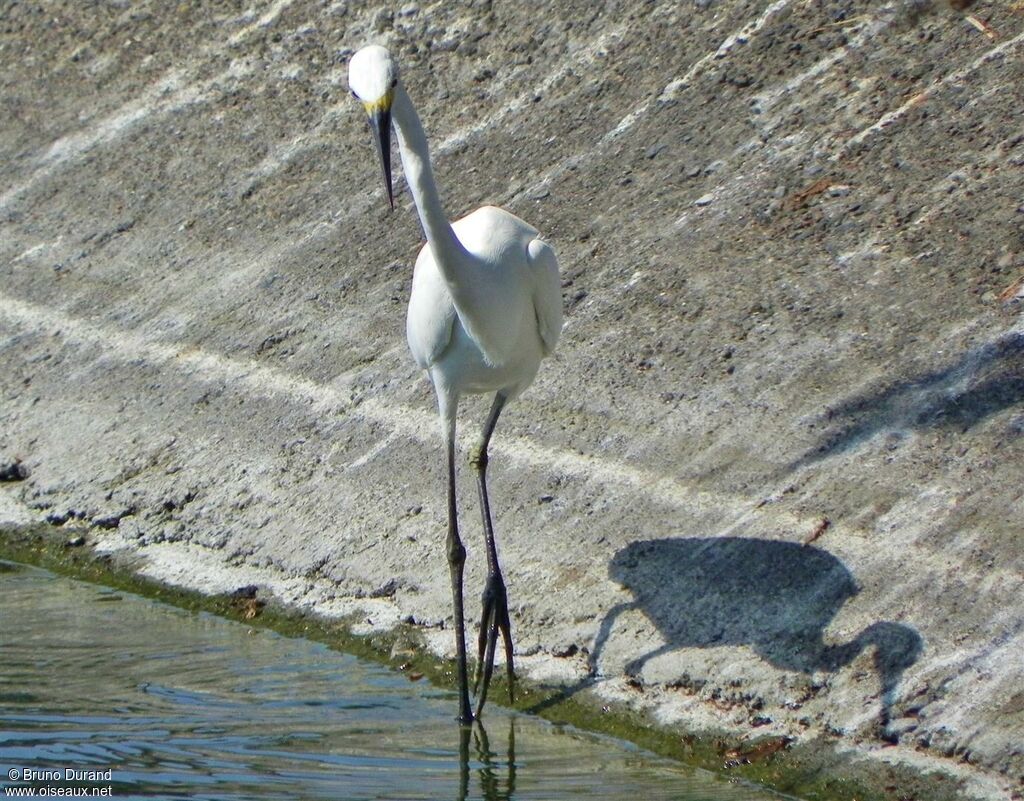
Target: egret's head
{"points": [[372, 77]]}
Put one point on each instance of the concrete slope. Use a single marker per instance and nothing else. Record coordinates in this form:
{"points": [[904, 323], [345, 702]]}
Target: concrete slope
{"points": [[773, 474]]}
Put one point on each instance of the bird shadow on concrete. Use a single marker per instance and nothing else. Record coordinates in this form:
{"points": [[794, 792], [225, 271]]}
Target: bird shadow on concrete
{"points": [[982, 382], [776, 598]]}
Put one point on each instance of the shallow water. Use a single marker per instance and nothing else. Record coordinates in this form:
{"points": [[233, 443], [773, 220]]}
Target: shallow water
{"points": [[180, 705]]}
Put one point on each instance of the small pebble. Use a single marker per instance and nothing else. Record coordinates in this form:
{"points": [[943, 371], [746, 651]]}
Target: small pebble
{"points": [[13, 471]]}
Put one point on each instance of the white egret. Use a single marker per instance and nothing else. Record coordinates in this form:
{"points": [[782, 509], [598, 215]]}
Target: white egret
{"points": [[486, 307]]}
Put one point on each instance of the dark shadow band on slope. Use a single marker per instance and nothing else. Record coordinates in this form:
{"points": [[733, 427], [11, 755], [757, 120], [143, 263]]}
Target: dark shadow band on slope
{"points": [[983, 382], [776, 598]]}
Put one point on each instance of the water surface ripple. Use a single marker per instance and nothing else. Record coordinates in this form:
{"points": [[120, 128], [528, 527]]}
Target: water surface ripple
{"points": [[183, 705]]}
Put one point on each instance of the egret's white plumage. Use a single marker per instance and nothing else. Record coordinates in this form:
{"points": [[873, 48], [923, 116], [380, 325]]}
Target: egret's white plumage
{"points": [[486, 307], [504, 306]]}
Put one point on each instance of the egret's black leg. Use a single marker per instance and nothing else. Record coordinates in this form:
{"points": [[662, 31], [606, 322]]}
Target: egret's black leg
{"points": [[456, 561], [495, 618]]}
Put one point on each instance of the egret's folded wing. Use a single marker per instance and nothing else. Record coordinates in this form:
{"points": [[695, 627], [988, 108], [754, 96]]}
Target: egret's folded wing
{"points": [[431, 312], [547, 292]]}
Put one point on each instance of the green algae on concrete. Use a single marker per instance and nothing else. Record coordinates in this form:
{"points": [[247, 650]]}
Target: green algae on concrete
{"points": [[810, 771]]}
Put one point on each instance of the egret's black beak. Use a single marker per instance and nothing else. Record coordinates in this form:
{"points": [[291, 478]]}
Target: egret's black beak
{"points": [[380, 124]]}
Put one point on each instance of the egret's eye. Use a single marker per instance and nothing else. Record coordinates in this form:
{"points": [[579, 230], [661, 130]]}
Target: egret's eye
{"points": [[353, 93]]}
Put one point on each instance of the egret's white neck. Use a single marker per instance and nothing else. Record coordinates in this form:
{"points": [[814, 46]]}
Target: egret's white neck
{"points": [[412, 143]]}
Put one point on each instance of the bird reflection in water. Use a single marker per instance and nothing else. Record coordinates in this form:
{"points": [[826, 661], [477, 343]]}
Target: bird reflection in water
{"points": [[493, 787]]}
